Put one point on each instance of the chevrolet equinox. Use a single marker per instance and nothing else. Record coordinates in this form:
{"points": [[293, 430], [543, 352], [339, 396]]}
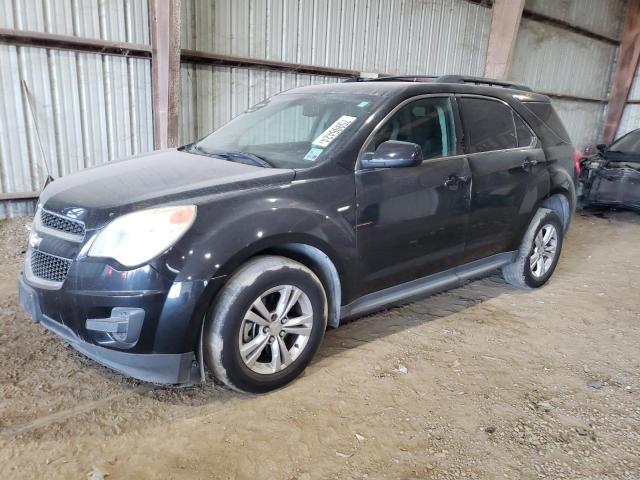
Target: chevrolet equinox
{"points": [[233, 254]]}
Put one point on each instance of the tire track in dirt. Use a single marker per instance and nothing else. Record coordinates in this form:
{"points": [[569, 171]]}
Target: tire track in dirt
{"points": [[42, 422]]}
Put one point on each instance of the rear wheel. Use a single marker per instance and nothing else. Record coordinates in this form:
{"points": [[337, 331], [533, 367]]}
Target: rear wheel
{"points": [[266, 324], [539, 252]]}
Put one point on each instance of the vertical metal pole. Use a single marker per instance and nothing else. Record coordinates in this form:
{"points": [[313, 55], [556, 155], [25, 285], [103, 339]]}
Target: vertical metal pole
{"points": [[165, 70], [505, 21], [628, 54]]}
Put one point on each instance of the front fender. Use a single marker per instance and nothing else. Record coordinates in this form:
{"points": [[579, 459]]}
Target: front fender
{"points": [[229, 231]]}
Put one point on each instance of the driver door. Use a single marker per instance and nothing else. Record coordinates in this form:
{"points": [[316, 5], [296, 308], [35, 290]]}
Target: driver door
{"points": [[411, 222]]}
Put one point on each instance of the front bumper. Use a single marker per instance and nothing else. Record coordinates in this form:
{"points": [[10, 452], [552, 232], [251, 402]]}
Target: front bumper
{"points": [[165, 368]]}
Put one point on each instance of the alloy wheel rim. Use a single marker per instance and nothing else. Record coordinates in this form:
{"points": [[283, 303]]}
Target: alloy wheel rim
{"points": [[545, 248], [275, 329]]}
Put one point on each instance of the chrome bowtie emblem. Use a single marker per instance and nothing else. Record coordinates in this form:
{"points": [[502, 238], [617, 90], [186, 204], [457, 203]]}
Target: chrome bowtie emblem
{"points": [[35, 240]]}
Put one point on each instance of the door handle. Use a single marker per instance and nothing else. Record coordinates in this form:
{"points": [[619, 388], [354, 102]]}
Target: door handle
{"points": [[454, 181], [529, 162]]}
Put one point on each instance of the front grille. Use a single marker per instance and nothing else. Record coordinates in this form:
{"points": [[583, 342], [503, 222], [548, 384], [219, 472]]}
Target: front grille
{"points": [[49, 267], [62, 224]]}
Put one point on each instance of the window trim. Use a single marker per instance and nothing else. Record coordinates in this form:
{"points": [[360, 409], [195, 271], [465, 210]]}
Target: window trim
{"points": [[406, 101], [465, 145]]}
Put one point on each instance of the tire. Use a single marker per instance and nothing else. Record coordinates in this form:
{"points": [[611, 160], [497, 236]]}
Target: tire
{"points": [[266, 324], [524, 272]]}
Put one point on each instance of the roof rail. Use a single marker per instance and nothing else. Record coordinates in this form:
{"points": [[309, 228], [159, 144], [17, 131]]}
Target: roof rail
{"points": [[480, 81], [393, 78]]}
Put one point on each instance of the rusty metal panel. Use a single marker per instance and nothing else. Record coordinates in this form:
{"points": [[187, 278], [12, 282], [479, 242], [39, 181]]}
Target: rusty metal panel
{"points": [[552, 59], [630, 119], [581, 119], [600, 16], [90, 109], [211, 96], [116, 20], [390, 36]]}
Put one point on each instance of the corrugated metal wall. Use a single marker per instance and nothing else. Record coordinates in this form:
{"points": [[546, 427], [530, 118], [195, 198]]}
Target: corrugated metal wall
{"points": [[390, 36], [93, 108], [555, 60], [89, 108], [631, 116]]}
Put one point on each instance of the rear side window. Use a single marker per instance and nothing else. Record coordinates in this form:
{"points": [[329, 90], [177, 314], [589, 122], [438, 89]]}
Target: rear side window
{"points": [[545, 112], [488, 125]]}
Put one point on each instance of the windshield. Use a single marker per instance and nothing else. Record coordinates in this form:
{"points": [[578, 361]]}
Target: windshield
{"points": [[289, 130], [629, 143]]}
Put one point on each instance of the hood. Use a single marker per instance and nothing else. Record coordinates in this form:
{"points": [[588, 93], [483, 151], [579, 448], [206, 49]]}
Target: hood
{"points": [[158, 177]]}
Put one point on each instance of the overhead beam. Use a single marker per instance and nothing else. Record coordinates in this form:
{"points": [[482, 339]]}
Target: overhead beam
{"points": [[27, 38], [15, 196], [556, 22], [628, 54], [505, 21], [196, 56], [165, 71]]}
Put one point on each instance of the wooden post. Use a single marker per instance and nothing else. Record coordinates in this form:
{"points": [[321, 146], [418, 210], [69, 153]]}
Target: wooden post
{"points": [[628, 54], [505, 21], [165, 70]]}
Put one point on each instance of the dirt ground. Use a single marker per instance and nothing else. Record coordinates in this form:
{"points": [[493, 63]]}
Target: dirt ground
{"points": [[484, 381]]}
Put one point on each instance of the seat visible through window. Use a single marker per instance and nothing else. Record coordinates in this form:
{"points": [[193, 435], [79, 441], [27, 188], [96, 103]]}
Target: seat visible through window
{"points": [[427, 122]]}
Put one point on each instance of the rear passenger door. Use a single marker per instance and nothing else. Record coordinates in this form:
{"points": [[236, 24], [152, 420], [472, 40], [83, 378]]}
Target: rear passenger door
{"points": [[508, 171]]}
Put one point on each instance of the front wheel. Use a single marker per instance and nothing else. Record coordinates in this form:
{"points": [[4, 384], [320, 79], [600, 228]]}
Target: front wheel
{"points": [[266, 324], [539, 252]]}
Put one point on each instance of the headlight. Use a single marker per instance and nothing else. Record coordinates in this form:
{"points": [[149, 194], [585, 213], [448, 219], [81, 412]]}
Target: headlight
{"points": [[137, 237]]}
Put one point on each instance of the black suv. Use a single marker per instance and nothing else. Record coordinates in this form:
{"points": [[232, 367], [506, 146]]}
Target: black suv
{"points": [[318, 204]]}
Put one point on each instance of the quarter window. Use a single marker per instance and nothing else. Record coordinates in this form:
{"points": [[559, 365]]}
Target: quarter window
{"points": [[525, 137], [488, 125], [427, 122]]}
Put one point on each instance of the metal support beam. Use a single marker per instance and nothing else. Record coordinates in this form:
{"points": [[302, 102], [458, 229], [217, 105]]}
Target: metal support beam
{"points": [[7, 197], [505, 21], [165, 70], [628, 54], [77, 44], [196, 56]]}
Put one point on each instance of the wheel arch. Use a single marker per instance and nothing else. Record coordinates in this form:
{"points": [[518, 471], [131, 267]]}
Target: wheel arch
{"points": [[310, 252], [559, 203]]}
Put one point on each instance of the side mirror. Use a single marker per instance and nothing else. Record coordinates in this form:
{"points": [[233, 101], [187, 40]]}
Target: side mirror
{"points": [[394, 154], [602, 147]]}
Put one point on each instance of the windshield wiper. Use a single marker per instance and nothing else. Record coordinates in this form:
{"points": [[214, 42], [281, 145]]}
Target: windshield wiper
{"points": [[246, 158], [233, 156]]}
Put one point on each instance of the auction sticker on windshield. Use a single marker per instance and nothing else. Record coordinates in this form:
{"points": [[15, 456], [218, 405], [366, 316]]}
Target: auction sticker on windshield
{"points": [[336, 128]]}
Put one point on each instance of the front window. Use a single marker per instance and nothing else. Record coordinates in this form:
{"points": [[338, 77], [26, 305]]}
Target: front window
{"points": [[290, 130], [427, 122]]}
